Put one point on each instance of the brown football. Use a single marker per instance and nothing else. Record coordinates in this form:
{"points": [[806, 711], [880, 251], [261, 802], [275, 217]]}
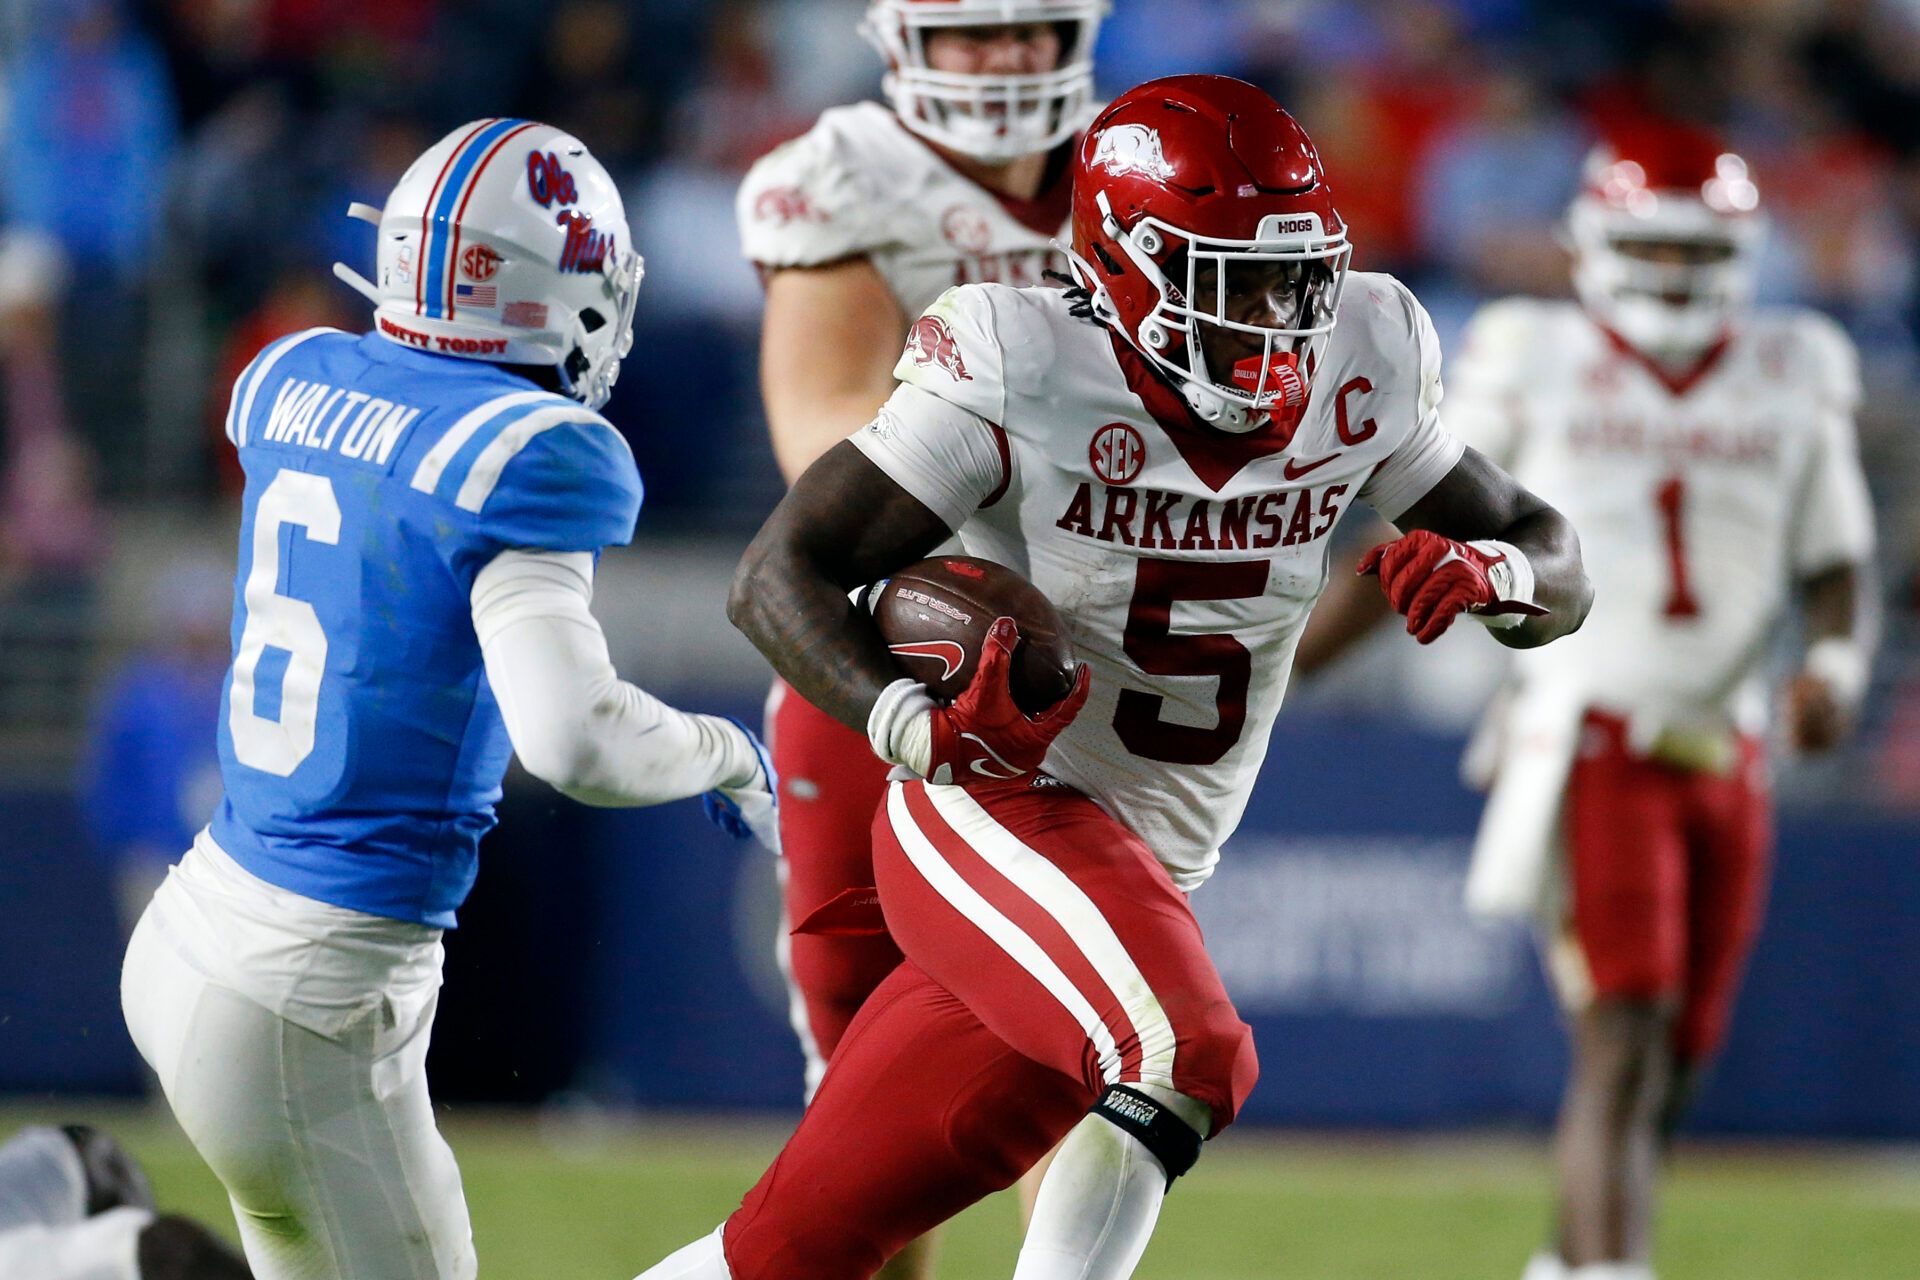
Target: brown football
{"points": [[935, 614]]}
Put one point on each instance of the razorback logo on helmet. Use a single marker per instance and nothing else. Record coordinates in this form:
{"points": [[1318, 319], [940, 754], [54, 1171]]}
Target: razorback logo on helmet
{"points": [[585, 249], [931, 342], [548, 181], [784, 205], [479, 261], [1132, 148]]}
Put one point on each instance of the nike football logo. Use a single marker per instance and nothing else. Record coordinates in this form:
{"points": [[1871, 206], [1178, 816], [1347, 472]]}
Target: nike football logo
{"points": [[1294, 470], [949, 653]]}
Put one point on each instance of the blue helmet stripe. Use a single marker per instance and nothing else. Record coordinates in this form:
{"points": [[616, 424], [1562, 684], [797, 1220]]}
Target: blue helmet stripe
{"points": [[437, 266]]}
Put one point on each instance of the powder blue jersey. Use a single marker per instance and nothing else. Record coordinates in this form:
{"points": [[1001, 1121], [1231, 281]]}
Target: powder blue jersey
{"points": [[360, 745]]}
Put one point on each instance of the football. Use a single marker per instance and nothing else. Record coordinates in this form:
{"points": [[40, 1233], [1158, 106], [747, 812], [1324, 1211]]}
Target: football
{"points": [[935, 614]]}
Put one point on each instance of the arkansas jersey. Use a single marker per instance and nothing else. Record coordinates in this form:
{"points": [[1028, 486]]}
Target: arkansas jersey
{"points": [[860, 184], [1700, 499], [1184, 560]]}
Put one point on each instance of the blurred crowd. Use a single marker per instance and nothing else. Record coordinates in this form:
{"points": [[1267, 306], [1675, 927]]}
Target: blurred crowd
{"points": [[177, 174]]}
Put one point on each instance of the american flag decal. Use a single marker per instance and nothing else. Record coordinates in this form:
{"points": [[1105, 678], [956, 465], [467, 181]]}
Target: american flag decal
{"points": [[476, 295]]}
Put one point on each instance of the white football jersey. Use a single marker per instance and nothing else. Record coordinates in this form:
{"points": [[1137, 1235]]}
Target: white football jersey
{"points": [[859, 184], [1183, 559], [1699, 501]]}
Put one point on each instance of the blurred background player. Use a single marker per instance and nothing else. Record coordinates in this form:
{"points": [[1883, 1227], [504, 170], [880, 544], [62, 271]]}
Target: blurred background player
{"points": [[1144, 441], [856, 227], [423, 509], [75, 1205], [1704, 448]]}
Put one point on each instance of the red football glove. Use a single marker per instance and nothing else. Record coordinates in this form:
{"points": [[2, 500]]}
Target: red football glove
{"points": [[1433, 580], [983, 736]]}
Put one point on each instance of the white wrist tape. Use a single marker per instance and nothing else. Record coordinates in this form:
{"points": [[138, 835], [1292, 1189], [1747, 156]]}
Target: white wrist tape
{"points": [[900, 726], [1512, 577], [1844, 666]]}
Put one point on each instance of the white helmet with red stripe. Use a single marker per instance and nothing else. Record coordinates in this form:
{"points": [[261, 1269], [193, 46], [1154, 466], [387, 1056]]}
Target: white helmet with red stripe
{"points": [[507, 242]]}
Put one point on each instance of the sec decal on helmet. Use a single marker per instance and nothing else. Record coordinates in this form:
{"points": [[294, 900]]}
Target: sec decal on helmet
{"points": [[506, 241], [1201, 208], [990, 116]]}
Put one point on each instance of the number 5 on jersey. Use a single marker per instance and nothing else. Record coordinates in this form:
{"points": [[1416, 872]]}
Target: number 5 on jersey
{"points": [[281, 622]]}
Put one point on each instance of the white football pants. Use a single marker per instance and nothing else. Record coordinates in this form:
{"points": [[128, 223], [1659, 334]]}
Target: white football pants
{"points": [[291, 1040]]}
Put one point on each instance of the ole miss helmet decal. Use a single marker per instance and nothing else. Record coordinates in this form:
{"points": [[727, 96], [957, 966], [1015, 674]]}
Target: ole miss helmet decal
{"points": [[931, 342], [479, 261]]}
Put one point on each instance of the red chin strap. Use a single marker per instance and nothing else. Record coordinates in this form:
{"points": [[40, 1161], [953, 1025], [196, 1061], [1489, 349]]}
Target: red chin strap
{"points": [[1284, 376]]}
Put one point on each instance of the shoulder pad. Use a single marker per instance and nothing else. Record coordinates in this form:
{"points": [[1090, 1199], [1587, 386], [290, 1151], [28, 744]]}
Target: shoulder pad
{"points": [[259, 370], [1399, 329], [536, 470], [975, 342], [1831, 359], [817, 199]]}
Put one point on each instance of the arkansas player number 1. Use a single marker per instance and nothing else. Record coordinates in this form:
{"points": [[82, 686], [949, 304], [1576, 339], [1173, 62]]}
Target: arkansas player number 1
{"points": [[1672, 498], [1149, 641]]}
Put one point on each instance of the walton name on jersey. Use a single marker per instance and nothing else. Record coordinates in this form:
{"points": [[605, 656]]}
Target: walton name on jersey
{"points": [[303, 413]]}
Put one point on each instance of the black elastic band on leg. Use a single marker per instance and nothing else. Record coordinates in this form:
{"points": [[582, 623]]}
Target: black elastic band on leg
{"points": [[1173, 1141]]}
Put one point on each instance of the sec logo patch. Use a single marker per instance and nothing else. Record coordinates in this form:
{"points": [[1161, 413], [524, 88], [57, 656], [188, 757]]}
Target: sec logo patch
{"points": [[479, 262], [1117, 453]]}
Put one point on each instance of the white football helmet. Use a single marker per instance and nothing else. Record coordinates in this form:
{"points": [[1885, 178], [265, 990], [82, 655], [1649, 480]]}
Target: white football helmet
{"points": [[507, 242], [989, 117], [1665, 240]]}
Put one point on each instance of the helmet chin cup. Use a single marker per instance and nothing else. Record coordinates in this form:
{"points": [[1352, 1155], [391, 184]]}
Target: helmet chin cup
{"points": [[1217, 410]]}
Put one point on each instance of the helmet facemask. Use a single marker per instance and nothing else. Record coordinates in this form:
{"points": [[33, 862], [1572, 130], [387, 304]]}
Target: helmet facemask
{"points": [[1671, 296], [1264, 305], [990, 116], [595, 351]]}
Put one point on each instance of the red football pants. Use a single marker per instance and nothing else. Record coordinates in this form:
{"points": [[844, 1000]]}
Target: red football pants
{"points": [[1048, 956], [1668, 871], [830, 785]]}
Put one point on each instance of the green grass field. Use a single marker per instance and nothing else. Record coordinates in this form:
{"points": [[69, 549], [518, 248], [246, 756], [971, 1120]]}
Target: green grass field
{"points": [[598, 1197]]}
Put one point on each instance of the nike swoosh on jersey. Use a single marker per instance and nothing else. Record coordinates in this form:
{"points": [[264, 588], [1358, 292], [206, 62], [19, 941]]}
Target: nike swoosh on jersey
{"points": [[1295, 470]]}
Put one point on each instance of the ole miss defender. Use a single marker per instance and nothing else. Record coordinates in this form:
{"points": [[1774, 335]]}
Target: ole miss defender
{"points": [[423, 510], [1163, 452]]}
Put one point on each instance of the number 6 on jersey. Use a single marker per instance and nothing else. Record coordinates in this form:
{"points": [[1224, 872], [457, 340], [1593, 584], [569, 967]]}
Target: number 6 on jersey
{"points": [[282, 622]]}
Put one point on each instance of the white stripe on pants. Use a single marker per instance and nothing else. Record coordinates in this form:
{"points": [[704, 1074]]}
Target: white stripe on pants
{"points": [[291, 1040]]}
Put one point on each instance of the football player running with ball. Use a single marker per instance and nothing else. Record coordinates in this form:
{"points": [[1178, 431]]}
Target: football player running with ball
{"points": [[857, 226], [1704, 447], [423, 508], [1163, 452]]}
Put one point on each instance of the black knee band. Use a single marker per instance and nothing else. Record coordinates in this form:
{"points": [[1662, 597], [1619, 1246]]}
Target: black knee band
{"points": [[1173, 1141]]}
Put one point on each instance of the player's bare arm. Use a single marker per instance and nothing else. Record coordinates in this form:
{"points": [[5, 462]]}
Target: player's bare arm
{"points": [[1822, 695], [843, 524], [1477, 502], [827, 349]]}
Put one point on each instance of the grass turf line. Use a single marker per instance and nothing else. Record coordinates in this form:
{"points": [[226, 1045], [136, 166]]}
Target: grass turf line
{"points": [[601, 1198]]}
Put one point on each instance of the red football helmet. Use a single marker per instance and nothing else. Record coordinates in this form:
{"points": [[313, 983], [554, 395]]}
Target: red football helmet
{"points": [[1665, 235], [1198, 202]]}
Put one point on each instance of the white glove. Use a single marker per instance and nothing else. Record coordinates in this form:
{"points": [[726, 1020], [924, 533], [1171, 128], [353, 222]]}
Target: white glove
{"points": [[754, 809]]}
